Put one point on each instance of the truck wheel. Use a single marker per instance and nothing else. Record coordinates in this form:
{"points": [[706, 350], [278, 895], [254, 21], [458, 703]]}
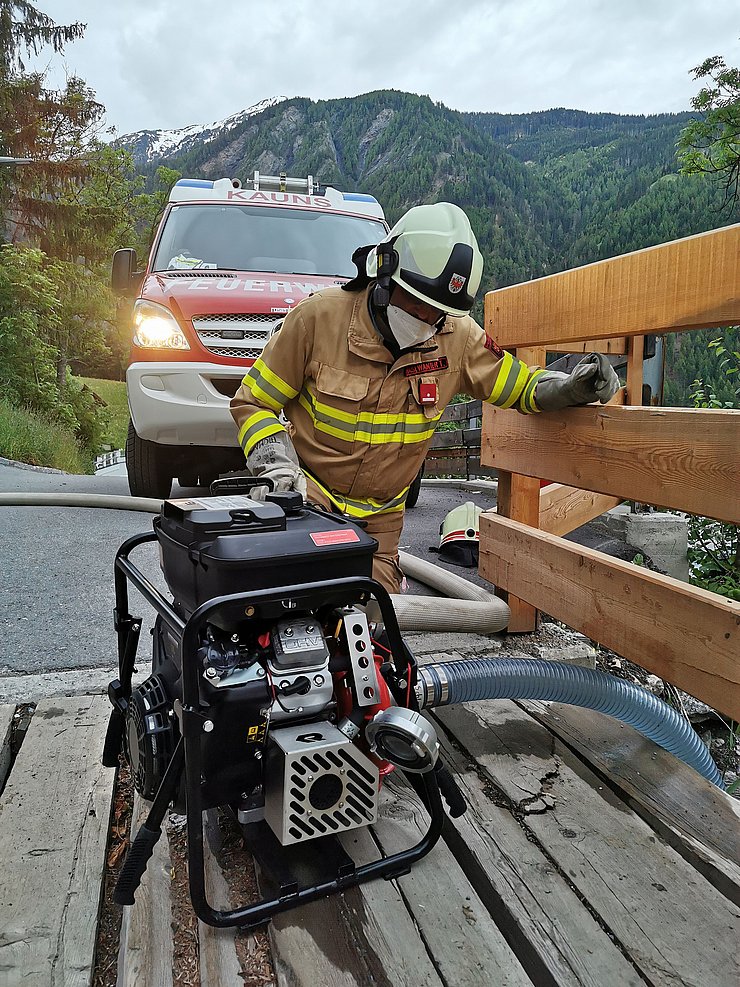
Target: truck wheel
{"points": [[415, 489], [148, 467]]}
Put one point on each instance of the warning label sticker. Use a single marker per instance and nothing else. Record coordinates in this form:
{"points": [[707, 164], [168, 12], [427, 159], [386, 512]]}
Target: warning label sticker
{"points": [[235, 502], [320, 538]]}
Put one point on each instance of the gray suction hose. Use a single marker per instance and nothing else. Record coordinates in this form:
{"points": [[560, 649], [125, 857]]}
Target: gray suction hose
{"points": [[450, 682]]}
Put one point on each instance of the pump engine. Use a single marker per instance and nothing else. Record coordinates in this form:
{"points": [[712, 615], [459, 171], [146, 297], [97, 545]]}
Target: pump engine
{"points": [[269, 688]]}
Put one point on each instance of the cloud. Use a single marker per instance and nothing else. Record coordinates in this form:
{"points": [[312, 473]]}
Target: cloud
{"points": [[170, 63]]}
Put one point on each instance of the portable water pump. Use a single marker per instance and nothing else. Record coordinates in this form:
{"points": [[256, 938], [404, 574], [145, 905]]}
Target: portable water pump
{"points": [[269, 695]]}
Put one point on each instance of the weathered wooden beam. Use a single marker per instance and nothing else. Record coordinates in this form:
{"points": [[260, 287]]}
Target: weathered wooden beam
{"points": [[671, 457], [555, 937], [635, 885], [693, 815], [692, 283], [682, 633], [457, 438], [563, 509], [146, 947], [436, 465], [219, 964], [475, 469], [366, 935], [518, 498], [439, 896], [462, 412], [54, 817]]}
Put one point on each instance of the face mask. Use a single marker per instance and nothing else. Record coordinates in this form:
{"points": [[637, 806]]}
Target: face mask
{"points": [[407, 329]]}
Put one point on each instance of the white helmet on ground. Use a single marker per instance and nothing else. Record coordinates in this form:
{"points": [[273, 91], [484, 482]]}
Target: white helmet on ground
{"points": [[432, 253]]}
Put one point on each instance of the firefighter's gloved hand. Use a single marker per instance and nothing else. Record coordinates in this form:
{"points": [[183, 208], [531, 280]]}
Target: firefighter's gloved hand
{"points": [[593, 379], [275, 458]]}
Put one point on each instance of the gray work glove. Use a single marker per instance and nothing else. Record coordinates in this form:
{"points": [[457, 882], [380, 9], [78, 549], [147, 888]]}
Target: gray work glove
{"points": [[593, 379], [275, 457]]}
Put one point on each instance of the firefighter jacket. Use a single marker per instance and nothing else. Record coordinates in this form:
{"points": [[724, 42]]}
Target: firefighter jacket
{"points": [[363, 421]]}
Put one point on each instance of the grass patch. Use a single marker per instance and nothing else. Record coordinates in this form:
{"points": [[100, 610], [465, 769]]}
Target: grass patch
{"points": [[28, 438], [113, 392]]}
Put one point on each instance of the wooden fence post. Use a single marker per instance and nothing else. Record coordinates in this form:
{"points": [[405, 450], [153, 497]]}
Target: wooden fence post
{"points": [[519, 499]]}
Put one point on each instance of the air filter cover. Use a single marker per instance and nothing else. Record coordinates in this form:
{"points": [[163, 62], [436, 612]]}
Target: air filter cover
{"points": [[317, 783]]}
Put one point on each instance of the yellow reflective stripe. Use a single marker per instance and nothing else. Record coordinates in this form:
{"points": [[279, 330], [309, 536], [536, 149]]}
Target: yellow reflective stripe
{"points": [[326, 409], [363, 507], [267, 387], [527, 402], [259, 394], [409, 418], [507, 362], [323, 426], [344, 425], [256, 428], [277, 382], [518, 386], [407, 438]]}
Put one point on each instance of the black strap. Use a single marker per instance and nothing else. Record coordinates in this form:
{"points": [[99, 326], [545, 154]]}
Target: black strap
{"points": [[361, 279]]}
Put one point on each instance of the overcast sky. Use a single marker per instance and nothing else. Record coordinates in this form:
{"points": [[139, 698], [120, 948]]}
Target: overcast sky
{"points": [[170, 63]]}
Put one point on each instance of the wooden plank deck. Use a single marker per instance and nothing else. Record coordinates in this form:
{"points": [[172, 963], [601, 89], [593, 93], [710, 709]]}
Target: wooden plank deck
{"points": [[588, 858], [54, 821]]}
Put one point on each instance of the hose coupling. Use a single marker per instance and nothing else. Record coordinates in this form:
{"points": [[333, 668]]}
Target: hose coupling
{"points": [[432, 686]]}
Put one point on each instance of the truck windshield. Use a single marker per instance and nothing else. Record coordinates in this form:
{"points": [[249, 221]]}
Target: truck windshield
{"points": [[264, 239]]}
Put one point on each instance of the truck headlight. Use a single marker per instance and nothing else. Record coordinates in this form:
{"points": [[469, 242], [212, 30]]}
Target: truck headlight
{"points": [[155, 328]]}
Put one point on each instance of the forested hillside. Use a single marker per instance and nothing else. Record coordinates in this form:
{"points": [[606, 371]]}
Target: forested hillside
{"points": [[544, 191]]}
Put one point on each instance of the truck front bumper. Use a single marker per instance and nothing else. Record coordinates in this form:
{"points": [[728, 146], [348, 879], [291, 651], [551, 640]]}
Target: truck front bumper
{"points": [[183, 404]]}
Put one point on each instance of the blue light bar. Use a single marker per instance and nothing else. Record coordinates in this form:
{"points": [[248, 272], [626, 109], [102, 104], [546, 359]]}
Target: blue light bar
{"points": [[193, 183]]}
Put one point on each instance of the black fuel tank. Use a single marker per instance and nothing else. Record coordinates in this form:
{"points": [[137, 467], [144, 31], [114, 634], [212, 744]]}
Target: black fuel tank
{"points": [[212, 546]]}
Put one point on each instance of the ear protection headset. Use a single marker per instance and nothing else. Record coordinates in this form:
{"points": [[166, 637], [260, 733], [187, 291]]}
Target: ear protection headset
{"points": [[388, 261]]}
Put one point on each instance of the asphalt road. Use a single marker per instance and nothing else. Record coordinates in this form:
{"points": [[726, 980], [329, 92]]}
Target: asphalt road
{"points": [[56, 568]]}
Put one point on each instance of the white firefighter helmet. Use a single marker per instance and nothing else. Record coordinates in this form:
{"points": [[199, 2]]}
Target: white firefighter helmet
{"points": [[433, 254], [459, 533]]}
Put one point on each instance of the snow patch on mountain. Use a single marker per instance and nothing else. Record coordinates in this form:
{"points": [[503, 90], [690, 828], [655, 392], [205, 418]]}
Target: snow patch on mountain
{"points": [[149, 145]]}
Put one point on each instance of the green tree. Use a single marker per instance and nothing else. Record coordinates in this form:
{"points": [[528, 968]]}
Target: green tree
{"points": [[29, 316], [24, 29], [711, 145], [64, 215], [714, 547]]}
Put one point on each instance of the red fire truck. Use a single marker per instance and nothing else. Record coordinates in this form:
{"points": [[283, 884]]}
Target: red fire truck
{"points": [[227, 264]]}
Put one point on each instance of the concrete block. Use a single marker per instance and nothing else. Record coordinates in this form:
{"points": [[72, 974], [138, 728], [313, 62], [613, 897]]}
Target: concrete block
{"points": [[578, 654], [436, 642], [663, 537]]}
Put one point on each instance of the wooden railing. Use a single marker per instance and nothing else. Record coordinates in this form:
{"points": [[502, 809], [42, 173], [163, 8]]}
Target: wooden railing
{"points": [[669, 457]]}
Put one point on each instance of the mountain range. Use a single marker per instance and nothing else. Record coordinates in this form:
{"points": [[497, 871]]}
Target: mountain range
{"points": [[544, 191]]}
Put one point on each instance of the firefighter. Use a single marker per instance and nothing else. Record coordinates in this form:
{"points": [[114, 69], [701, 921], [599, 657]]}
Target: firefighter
{"points": [[364, 371]]}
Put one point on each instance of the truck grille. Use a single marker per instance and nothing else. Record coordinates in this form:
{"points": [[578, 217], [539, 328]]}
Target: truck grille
{"points": [[242, 336]]}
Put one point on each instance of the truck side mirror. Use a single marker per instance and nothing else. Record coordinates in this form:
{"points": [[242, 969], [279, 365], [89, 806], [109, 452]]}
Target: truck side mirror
{"points": [[124, 279]]}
